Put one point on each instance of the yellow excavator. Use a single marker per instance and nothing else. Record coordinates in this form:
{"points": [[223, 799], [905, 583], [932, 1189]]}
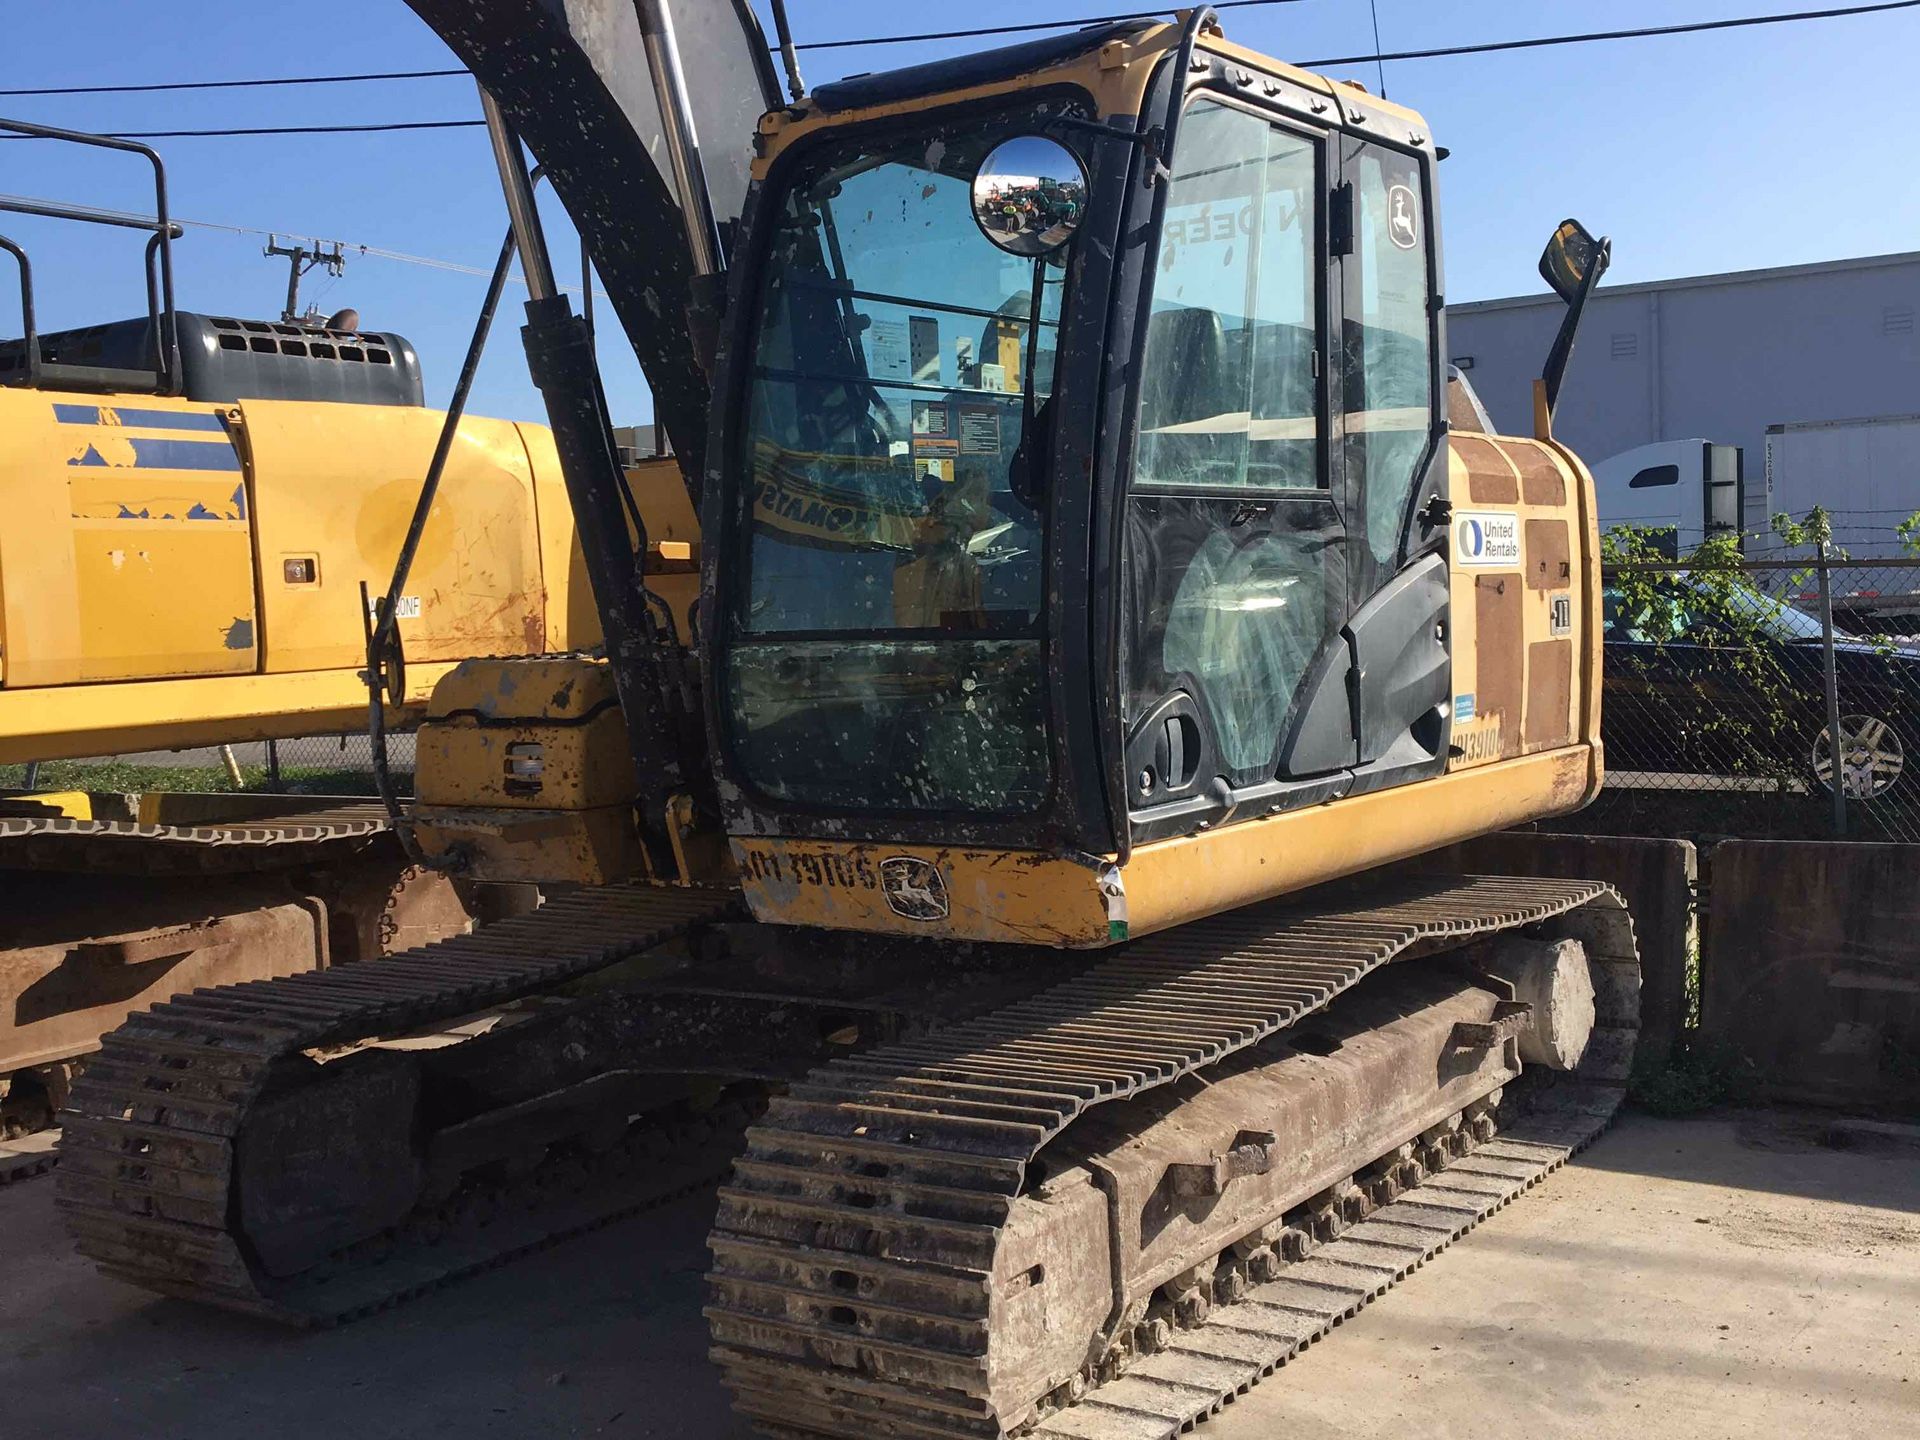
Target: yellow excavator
{"points": [[192, 502], [1105, 584]]}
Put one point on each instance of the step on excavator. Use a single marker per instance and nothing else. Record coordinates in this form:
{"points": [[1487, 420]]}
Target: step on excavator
{"points": [[1004, 874]]}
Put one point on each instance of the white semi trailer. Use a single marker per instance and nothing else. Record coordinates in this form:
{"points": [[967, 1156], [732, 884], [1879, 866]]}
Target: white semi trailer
{"points": [[1866, 473]]}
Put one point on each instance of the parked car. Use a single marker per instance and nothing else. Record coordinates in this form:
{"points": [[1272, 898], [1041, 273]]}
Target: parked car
{"points": [[1711, 678]]}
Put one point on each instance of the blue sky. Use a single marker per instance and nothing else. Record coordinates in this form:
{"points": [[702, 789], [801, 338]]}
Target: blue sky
{"points": [[1696, 153]]}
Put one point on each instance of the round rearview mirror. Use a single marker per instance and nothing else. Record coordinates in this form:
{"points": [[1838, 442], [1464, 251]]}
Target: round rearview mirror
{"points": [[1029, 195]]}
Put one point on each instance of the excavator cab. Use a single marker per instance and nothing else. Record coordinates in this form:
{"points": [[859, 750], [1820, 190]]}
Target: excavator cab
{"points": [[1079, 504]]}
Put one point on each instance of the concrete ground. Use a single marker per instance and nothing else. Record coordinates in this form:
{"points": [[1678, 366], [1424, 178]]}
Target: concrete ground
{"points": [[1732, 1276]]}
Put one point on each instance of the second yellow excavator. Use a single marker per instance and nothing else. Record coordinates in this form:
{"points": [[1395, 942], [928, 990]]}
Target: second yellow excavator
{"points": [[1105, 583]]}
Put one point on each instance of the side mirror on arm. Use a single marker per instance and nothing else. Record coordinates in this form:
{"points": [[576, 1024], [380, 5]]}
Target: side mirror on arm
{"points": [[1572, 265], [1570, 257]]}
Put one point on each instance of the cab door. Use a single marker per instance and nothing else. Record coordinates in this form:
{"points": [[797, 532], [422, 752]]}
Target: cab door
{"points": [[1390, 457], [1237, 567]]}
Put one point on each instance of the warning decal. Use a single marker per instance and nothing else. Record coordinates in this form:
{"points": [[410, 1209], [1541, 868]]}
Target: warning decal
{"points": [[979, 430]]}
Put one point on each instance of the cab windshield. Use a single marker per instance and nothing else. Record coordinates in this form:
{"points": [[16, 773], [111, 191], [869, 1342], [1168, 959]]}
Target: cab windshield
{"points": [[886, 609]]}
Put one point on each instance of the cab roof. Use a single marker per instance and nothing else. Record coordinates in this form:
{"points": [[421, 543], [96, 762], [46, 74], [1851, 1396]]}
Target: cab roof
{"points": [[964, 72]]}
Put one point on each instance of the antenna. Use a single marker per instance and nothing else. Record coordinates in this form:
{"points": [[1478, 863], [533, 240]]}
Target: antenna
{"points": [[300, 260]]}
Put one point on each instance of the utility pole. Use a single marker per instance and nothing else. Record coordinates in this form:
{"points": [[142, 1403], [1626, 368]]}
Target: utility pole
{"points": [[300, 260]]}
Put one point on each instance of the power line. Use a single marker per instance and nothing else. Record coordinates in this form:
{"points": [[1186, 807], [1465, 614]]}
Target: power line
{"points": [[374, 129], [1373, 8], [1485, 48], [231, 84], [355, 247], [148, 89], [1692, 27], [1020, 29]]}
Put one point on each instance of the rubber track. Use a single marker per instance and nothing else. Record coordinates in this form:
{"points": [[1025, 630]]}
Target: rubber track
{"points": [[145, 1181], [895, 1170]]}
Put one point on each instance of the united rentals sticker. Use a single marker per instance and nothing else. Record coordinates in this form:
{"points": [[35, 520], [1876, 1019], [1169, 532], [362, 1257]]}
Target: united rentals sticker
{"points": [[1487, 538], [914, 888]]}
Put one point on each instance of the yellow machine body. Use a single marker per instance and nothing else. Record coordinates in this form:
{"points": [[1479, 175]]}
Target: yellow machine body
{"points": [[178, 573], [522, 766]]}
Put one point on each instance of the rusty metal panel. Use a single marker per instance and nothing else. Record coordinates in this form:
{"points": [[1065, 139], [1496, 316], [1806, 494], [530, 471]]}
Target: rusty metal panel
{"points": [[1499, 633], [1490, 479], [1811, 967], [1549, 718], [1541, 480], [141, 944], [1549, 555]]}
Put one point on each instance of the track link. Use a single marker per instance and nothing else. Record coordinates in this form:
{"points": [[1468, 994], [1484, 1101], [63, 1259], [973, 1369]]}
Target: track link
{"points": [[854, 1249], [1206, 1367], [147, 1157], [29, 842], [27, 1156]]}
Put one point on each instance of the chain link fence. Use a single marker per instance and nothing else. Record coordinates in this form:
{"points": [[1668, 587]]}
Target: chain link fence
{"points": [[1764, 697], [313, 765]]}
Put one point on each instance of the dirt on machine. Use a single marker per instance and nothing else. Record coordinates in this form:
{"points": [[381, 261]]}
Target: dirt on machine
{"points": [[993, 875]]}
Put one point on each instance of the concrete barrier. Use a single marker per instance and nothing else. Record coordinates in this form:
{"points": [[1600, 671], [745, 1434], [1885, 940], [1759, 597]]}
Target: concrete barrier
{"points": [[1657, 879], [1811, 967]]}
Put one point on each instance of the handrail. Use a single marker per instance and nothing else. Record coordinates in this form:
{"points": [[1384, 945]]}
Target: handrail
{"points": [[32, 340], [161, 315]]}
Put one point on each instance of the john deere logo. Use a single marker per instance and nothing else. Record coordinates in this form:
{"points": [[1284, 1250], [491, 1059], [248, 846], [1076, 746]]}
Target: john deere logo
{"points": [[914, 888], [1403, 217]]}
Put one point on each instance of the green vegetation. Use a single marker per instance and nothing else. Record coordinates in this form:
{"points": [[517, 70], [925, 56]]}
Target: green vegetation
{"points": [[120, 777], [1729, 626], [1697, 1076]]}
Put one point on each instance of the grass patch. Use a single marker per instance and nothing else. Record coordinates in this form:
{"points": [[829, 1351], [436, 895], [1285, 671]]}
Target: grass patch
{"points": [[119, 777], [1697, 1076]]}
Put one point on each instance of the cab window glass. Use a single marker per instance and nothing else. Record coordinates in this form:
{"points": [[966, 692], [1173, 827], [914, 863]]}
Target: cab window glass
{"points": [[1387, 362], [886, 625], [1228, 394]]}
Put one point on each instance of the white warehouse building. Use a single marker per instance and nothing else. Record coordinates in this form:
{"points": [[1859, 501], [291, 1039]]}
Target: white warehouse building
{"points": [[1727, 359]]}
